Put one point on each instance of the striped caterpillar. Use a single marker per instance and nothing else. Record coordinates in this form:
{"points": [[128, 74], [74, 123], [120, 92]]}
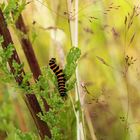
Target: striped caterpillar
{"points": [[60, 76]]}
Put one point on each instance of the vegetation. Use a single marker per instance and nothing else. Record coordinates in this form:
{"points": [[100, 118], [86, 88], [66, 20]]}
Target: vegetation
{"points": [[96, 43]]}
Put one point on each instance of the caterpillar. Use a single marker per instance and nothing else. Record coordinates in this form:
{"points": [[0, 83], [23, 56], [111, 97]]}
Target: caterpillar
{"points": [[60, 76]]}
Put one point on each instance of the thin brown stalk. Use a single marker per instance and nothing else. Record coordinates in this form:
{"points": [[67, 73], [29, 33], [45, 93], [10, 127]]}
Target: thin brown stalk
{"points": [[28, 49], [30, 99], [29, 53]]}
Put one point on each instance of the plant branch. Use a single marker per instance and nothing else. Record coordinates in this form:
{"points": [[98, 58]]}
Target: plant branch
{"points": [[29, 53], [30, 99], [74, 39], [28, 49]]}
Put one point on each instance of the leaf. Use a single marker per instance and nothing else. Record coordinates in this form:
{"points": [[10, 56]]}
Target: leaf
{"points": [[71, 84], [51, 76], [24, 85], [17, 67], [15, 7], [25, 136], [9, 51], [71, 64], [73, 55], [6, 53]]}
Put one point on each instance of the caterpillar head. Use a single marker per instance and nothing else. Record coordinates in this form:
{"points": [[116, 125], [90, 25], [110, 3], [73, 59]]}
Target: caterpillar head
{"points": [[53, 60]]}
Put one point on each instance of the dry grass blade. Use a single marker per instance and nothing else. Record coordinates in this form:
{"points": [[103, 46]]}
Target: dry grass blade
{"points": [[88, 30], [132, 38], [115, 33], [131, 16], [103, 61], [85, 88], [125, 21]]}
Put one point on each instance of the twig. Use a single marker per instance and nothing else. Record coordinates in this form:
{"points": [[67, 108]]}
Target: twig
{"points": [[28, 49], [30, 55], [30, 99]]}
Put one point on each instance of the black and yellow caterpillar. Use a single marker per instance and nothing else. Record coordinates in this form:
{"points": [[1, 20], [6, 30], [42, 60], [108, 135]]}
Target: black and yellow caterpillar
{"points": [[60, 76]]}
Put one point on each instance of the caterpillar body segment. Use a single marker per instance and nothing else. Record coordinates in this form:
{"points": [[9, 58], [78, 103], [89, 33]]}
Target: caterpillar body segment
{"points": [[60, 76]]}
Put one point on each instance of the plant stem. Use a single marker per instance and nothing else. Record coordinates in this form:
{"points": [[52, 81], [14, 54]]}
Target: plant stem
{"points": [[30, 99], [28, 49], [30, 55], [74, 40], [90, 125]]}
